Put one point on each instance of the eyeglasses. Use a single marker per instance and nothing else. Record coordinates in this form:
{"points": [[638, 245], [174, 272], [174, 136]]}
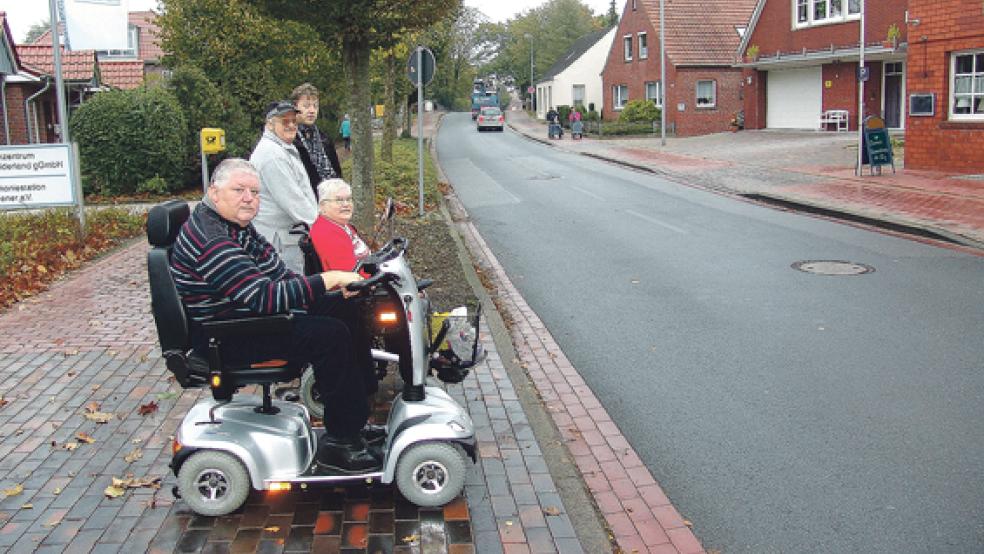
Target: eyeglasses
{"points": [[340, 200]]}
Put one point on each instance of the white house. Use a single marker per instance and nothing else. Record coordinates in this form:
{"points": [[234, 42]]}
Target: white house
{"points": [[576, 77]]}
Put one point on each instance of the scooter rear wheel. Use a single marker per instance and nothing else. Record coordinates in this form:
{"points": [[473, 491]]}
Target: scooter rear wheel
{"points": [[310, 396], [431, 474], [213, 483]]}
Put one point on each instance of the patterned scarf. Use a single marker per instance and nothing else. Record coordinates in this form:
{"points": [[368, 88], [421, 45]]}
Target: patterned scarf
{"points": [[311, 138]]}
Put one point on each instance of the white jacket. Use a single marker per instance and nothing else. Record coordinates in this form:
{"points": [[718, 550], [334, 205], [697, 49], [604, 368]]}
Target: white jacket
{"points": [[286, 197]]}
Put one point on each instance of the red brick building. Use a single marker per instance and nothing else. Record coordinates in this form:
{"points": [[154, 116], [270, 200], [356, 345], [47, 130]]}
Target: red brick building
{"points": [[802, 56], [945, 75], [703, 90], [9, 65]]}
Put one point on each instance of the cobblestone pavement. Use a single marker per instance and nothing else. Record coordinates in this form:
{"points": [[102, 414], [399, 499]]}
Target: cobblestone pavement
{"points": [[809, 170], [89, 345]]}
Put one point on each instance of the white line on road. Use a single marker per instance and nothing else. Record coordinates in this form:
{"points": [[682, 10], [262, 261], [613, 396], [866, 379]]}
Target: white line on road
{"points": [[589, 193], [673, 228]]}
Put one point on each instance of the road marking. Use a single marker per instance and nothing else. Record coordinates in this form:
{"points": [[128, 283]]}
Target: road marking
{"points": [[673, 228], [589, 193]]}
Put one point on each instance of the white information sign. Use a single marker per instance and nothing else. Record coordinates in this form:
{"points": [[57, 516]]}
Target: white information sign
{"points": [[35, 175]]}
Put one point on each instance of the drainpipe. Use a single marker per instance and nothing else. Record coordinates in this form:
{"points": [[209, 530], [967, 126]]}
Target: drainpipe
{"points": [[27, 107], [3, 102]]}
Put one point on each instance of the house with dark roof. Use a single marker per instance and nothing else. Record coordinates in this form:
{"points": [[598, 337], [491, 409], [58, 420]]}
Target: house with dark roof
{"points": [[575, 78], [802, 58], [32, 90], [703, 89]]}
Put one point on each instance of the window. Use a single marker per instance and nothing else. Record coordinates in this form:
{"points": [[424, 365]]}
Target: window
{"points": [[967, 85], [627, 44], [706, 94], [578, 95], [132, 46], [654, 93], [643, 46], [822, 12], [620, 96]]}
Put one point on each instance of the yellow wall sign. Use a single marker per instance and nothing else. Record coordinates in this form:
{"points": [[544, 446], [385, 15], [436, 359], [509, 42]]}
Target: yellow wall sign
{"points": [[380, 110], [213, 140], [828, 84]]}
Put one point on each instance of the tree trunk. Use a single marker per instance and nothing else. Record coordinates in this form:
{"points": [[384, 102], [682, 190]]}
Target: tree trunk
{"points": [[355, 56], [391, 117]]}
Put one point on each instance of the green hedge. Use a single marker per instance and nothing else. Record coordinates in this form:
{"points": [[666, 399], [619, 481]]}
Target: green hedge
{"points": [[639, 111], [127, 138]]}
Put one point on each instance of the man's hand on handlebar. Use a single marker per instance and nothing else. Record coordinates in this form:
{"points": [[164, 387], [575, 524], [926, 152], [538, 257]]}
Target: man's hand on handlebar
{"points": [[339, 280]]}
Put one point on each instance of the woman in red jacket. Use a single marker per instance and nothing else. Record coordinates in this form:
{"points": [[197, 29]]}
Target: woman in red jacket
{"points": [[335, 239]]}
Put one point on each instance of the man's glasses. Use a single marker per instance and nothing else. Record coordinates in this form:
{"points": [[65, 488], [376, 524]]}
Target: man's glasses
{"points": [[341, 200]]}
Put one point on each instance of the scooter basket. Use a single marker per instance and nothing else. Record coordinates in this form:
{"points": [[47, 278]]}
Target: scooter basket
{"points": [[455, 343]]}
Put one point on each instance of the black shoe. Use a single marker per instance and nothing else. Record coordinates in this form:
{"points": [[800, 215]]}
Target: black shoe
{"points": [[374, 434], [346, 455]]}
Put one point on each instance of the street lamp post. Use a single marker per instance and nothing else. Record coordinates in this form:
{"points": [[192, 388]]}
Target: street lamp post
{"points": [[529, 36]]}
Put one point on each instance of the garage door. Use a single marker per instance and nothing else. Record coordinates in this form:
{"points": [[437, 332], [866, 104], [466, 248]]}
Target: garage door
{"points": [[793, 99]]}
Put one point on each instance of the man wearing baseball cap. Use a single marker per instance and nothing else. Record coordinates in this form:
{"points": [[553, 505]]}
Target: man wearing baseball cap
{"points": [[286, 198]]}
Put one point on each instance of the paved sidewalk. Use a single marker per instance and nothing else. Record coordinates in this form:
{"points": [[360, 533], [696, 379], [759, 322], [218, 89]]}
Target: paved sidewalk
{"points": [[813, 171], [88, 344]]}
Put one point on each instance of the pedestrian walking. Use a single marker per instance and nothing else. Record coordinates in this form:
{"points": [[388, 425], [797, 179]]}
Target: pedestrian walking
{"points": [[346, 131]]}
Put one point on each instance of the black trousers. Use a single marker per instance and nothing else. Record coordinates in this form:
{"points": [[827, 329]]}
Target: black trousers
{"points": [[342, 367]]}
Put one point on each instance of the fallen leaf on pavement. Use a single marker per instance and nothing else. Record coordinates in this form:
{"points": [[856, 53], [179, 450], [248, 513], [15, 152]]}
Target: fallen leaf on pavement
{"points": [[133, 456], [272, 529], [84, 437], [114, 491], [13, 491], [552, 511], [148, 408], [3, 402], [410, 538], [99, 417], [27, 507], [92, 407], [70, 446]]}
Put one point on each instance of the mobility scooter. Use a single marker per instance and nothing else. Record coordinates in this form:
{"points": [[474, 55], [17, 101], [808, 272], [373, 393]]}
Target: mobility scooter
{"points": [[227, 445]]}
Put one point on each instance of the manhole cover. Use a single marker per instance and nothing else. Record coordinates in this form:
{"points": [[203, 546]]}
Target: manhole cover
{"points": [[832, 267]]}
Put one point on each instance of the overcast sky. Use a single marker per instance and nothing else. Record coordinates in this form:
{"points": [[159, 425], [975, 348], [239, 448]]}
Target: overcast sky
{"points": [[21, 14]]}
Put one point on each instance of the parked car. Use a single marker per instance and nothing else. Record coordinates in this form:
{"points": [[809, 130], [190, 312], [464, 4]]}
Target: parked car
{"points": [[490, 117]]}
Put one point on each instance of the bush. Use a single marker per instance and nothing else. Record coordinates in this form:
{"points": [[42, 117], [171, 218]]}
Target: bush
{"points": [[156, 185], [128, 137], [640, 110], [206, 106], [592, 115]]}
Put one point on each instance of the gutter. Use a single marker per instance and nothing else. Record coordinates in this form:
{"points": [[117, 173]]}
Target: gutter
{"points": [[815, 57], [27, 108], [3, 105]]}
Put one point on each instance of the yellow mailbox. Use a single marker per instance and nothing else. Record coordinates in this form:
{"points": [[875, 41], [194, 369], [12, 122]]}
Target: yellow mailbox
{"points": [[213, 140]]}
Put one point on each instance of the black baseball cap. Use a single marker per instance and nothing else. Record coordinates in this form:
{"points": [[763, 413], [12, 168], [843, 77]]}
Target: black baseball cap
{"points": [[281, 107]]}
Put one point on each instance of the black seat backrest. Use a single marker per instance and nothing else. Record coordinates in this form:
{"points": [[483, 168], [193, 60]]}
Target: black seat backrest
{"points": [[163, 224]]}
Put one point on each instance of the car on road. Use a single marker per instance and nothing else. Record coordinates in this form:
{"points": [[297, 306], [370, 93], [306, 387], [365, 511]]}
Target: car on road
{"points": [[490, 117]]}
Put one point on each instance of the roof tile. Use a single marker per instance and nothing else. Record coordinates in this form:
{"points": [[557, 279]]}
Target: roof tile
{"points": [[122, 74], [701, 32], [77, 65]]}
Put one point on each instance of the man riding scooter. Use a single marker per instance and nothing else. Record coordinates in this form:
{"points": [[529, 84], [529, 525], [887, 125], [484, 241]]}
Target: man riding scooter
{"points": [[224, 269]]}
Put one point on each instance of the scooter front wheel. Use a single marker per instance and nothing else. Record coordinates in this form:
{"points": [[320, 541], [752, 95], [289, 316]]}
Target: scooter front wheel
{"points": [[213, 483], [431, 474]]}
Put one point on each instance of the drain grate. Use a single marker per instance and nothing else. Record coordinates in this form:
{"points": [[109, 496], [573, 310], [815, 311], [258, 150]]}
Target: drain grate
{"points": [[832, 267]]}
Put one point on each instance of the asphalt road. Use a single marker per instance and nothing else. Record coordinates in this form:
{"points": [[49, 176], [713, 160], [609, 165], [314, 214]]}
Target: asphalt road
{"points": [[781, 411]]}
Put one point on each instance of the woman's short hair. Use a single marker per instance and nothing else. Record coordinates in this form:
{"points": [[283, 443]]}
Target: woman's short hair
{"points": [[328, 187], [227, 167], [306, 89]]}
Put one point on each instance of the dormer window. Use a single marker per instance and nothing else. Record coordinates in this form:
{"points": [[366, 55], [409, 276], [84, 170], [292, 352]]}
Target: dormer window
{"points": [[822, 12], [132, 46]]}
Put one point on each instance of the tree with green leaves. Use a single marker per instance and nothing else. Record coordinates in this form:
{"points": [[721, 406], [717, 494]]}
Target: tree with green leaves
{"points": [[253, 58], [36, 30], [549, 30], [358, 27], [612, 14]]}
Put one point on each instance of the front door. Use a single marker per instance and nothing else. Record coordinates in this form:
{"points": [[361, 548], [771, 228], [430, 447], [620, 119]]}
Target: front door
{"points": [[893, 95]]}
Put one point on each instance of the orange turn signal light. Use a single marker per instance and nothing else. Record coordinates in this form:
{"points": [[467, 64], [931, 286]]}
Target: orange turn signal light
{"points": [[387, 317], [216, 380], [279, 486], [175, 446]]}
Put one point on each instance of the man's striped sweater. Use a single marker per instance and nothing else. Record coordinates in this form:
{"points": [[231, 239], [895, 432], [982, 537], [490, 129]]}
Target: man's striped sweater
{"points": [[224, 271]]}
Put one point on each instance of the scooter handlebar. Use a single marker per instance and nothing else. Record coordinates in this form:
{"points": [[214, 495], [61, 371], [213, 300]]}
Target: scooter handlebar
{"points": [[372, 282]]}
